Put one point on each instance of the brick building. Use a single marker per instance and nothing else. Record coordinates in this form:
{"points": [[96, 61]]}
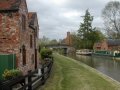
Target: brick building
{"points": [[68, 39], [19, 33], [110, 44]]}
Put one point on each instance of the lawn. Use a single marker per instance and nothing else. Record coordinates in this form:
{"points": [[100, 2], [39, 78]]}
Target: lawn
{"points": [[69, 74]]}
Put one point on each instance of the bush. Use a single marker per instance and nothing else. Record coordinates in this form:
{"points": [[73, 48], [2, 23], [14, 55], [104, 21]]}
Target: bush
{"points": [[46, 53], [9, 74]]}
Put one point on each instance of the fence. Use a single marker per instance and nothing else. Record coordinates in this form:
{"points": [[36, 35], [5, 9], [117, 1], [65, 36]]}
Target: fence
{"points": [[29, 82]]}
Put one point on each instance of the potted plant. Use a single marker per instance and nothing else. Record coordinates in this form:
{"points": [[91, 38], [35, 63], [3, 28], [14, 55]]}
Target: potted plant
{"points": [[10, 74]]}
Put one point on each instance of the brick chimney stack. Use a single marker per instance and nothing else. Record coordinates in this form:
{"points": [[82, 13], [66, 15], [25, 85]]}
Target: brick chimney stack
{"points": [[68, 34], [68, 39]]}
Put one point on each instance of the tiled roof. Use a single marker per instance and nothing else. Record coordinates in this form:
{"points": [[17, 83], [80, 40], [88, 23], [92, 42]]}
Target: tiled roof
{"points": [[113, 42], [9, 5]]}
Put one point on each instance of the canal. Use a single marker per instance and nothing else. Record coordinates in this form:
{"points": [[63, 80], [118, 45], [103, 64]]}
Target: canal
{"points": [[105, 65]]}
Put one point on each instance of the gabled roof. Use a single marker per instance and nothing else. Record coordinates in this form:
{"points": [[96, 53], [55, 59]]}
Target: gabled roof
{"points": [[113, 42], [9, 5], [31, 17]]}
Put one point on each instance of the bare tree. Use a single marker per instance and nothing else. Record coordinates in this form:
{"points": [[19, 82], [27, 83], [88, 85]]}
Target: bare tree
{"points": [[111, 17]]}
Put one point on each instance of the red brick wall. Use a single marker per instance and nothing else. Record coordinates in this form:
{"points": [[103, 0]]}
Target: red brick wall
{"points": [[25, 40], [101, 45], [9, 33], [104, 45], [12, 37]]}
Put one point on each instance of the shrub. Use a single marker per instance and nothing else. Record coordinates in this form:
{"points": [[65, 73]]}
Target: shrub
{"points": [[46, 53], [9, 74]]}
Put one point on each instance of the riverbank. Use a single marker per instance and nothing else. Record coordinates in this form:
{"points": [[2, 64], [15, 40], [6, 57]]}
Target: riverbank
{"points": [[69, 74]]}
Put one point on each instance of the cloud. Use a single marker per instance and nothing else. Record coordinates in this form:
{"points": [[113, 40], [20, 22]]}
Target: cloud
{"points": [[59, 2], [98, 22], [56, 17], [71, 14]]}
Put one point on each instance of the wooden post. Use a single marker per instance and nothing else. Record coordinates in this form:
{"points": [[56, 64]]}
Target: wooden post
{"points": [[43, 77], [29, 80], [6, 88], [1, 84]]}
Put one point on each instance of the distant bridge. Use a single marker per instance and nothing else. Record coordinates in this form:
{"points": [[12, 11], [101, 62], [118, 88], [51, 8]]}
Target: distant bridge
{"points": [[65, 47]]}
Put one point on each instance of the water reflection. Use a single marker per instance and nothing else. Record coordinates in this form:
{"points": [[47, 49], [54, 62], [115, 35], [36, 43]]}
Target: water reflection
{"points": [[105, 65]]}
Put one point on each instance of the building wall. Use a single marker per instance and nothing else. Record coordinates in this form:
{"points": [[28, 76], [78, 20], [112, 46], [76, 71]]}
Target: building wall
{"points": [[25, 40], [33, 49], [113, 47], [9, 33], [104, 46], [36, 35], [13, 37], [100, 46]]}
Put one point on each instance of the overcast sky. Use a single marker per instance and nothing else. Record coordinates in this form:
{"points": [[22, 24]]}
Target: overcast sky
{"points": [[56, 17]]}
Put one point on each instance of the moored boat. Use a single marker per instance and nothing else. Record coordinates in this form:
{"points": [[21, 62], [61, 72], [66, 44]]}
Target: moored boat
{"points": [[84, 52], [113, 54]]}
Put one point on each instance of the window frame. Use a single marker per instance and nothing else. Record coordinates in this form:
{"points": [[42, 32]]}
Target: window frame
{"points": [[23, 22]]}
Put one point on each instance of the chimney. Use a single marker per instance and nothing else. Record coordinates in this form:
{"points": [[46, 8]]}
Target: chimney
{"points": [[68, 34]]}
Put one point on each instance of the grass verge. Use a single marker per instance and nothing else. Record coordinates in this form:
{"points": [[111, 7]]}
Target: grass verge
{"points": [[69, 74]]}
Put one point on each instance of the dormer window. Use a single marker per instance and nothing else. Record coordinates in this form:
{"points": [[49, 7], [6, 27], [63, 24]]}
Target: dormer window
{"points": [[23, 22]]}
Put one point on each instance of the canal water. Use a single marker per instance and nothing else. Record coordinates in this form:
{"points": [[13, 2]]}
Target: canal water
{"points": [[105, 65]]}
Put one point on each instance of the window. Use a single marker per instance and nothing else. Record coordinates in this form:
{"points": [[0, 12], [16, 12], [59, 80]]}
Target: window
{"points": [[31, 41], [23, 22], [24, 55], [32, 58]]}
